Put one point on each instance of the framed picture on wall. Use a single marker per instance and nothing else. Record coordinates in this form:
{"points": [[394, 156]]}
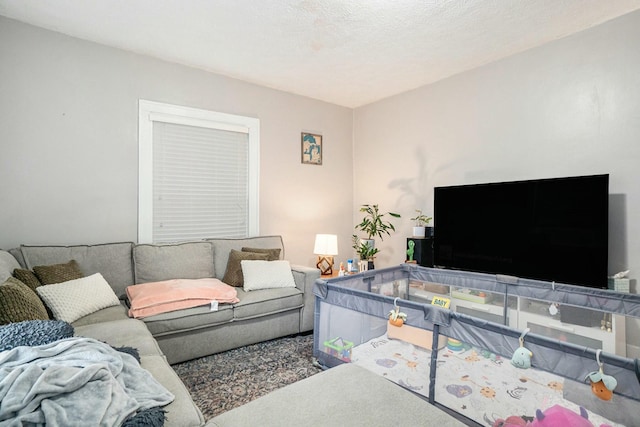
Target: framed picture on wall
{"points": [[311, 148]]}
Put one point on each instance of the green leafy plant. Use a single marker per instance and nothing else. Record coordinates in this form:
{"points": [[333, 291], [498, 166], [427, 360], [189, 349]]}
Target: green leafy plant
{"points": [[374, 224], [420, 219], [363, 249]]}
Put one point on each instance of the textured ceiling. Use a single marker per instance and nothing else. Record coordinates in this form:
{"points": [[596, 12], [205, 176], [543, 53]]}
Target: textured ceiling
{"points": [[347, 52]]}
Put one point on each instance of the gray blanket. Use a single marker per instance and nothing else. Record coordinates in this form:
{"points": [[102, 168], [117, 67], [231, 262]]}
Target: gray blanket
{"points": [[75, 381]]}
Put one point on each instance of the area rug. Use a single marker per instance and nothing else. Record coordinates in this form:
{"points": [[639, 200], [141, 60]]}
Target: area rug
{"points": [[223, 381]]}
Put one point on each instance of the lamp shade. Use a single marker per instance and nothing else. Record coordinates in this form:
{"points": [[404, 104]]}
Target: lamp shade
{"points": [[326, 244]]}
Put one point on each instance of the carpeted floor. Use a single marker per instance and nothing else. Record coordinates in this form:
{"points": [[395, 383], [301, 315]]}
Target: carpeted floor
{"points": [[226, 380]]}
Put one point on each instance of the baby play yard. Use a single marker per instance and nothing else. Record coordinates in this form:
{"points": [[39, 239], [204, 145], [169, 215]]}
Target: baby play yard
{"points": [[487, 367]]}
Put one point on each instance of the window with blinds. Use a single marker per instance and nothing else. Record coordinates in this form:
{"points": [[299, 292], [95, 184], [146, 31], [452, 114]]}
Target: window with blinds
{"points": [[198, 174]]}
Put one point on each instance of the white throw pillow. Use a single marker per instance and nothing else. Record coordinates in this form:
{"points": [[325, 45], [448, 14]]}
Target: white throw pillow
{"points": [[77, 298], [260, 274]]}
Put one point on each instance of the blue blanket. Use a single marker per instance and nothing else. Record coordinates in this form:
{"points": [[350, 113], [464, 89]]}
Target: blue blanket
{"points": [[75, 381]]}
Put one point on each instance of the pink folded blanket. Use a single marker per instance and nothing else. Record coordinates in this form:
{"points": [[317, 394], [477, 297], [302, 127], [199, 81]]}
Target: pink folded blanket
{"points": [[152, 298]]}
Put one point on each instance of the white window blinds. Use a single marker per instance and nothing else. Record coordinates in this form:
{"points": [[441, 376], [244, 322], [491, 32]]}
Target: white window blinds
{"points": [[198, 174], [200, 185]]}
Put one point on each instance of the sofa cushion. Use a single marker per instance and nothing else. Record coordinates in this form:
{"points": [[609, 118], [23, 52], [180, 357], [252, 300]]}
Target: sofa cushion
{"points": [[154, 263], [74, 299], [233, 274], [27, 277], [18, 303], [274, 253], [108, 314], [17, 254], [182, 411], [33, 332], [122, 332], [58, 273], [112, 260], [133, 333], [188, 319], [222, 247], [266, 301], [267, 275], [8, 263]]}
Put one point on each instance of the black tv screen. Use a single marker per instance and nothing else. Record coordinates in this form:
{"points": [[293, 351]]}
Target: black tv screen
{"points": [[547, 229]]}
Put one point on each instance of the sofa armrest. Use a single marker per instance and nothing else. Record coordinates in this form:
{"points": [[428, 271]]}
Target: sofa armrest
{"points": [[305, 277], [8, 263]]}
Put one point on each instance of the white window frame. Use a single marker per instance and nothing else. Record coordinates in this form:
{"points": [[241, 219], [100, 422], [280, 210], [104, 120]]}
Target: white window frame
{"points": [[150, 111]]}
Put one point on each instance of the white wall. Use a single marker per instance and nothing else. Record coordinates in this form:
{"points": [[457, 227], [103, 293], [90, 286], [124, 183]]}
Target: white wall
{"points": [[571, 107], [68, 138]]}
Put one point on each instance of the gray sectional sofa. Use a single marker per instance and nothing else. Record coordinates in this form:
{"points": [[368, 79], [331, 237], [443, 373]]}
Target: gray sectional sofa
{"points": [[186, 334]]}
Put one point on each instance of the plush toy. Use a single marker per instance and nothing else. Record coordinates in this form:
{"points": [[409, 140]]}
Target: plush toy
{"points": [[511, 421], [522, 356], [396, 317], [559, 416], [601, 385]]}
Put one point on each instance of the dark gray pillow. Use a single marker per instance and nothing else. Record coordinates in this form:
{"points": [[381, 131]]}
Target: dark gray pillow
{"points": [[33, 332]]}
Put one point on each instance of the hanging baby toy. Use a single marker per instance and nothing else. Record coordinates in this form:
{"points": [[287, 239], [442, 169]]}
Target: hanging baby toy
{"points": [[396, 317], [522, 356], [601, 385]]}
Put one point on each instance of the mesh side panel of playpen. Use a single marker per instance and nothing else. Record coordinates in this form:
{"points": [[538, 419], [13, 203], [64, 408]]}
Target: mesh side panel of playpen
{"points": [[352, 313]]}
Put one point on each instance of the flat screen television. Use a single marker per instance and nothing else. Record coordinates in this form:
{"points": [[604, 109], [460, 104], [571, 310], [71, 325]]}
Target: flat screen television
{"points": [[546, 229]]}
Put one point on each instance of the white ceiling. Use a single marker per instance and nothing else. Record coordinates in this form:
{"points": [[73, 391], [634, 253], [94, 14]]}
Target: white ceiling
{"points": [[347, 52]]}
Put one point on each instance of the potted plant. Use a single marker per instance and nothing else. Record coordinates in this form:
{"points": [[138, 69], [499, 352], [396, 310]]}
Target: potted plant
{"points": [[364, 250], [421, 221], [373, 225]]}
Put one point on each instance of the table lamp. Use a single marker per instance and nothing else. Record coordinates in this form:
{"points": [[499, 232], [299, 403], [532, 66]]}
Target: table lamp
{"points": [[326, 247]]}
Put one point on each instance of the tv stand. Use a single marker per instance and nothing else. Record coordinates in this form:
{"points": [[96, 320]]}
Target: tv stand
{"points": [[590, 328], [577, 325]]}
